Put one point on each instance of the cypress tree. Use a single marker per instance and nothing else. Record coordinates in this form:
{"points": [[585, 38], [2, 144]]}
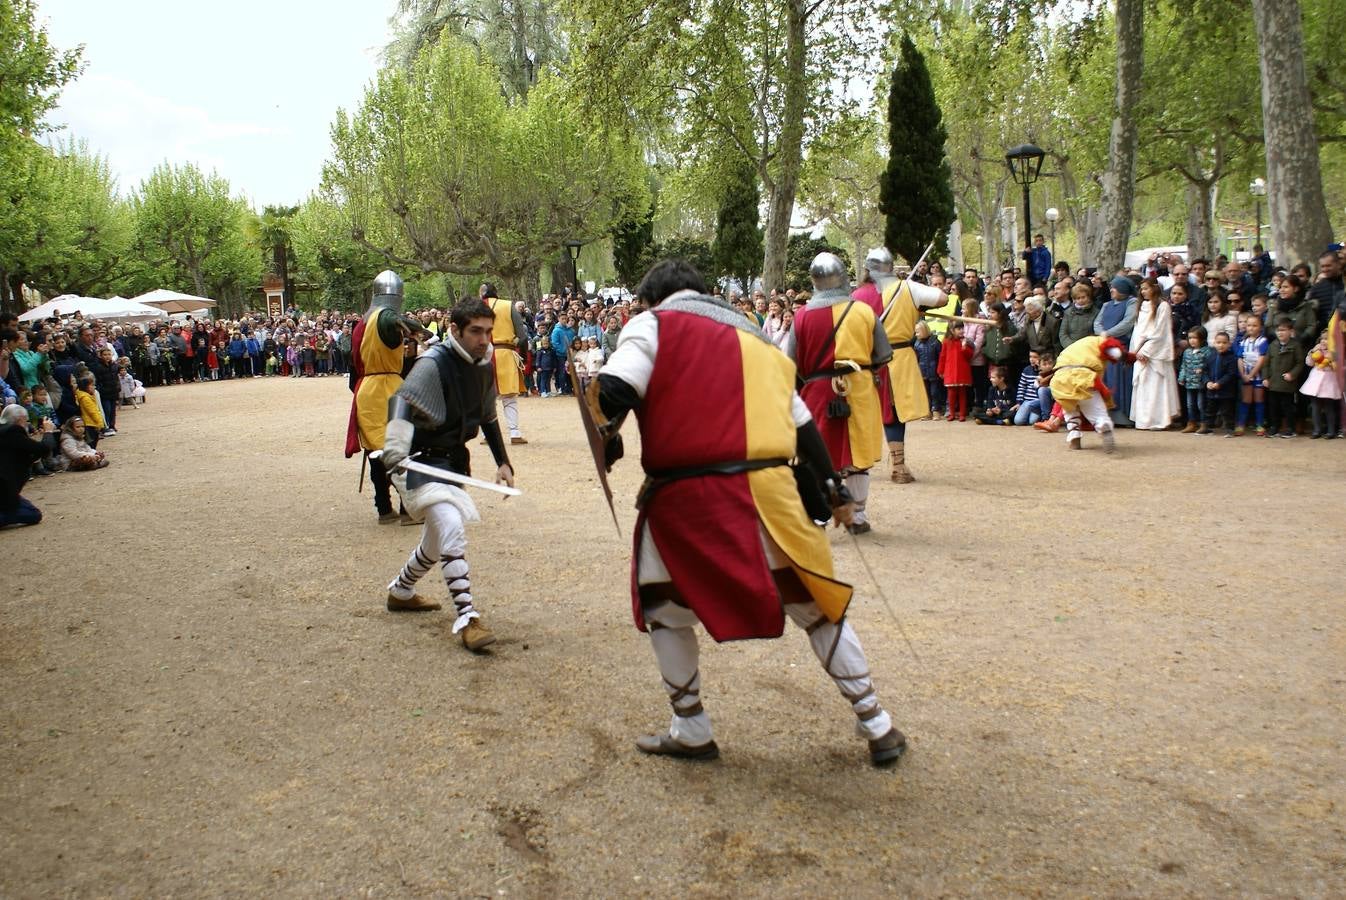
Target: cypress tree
{"points": [[630, 240], [915, 194], [737, 248]]}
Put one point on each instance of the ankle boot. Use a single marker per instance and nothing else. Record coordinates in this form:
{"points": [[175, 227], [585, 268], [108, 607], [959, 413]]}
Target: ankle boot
{"points": [[897, 457]]}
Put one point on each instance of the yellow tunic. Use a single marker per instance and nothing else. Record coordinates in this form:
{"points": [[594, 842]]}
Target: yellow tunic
{"points": [[855, 342], [508, 377], [382, 367], [768, 386], [904, 372], [1077, 368]]}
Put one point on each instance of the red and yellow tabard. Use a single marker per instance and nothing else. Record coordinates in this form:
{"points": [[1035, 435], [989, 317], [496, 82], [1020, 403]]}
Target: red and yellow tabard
{"points": [[508, 366], [381, 368], [719, 394], [1079, 372], [904, 372], [855, 441]]}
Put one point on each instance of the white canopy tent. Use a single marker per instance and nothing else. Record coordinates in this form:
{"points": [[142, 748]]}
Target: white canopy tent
{"points": [[123, 310], [173, 301], [64, 305]]}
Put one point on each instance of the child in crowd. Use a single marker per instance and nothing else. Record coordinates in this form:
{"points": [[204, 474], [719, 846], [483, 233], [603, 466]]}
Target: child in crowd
{"points": [[1193, 375], [927, 348], [1027, 401], [1217, 317], [128, 386], [295, 357], [1000, 408], [90, 410], [309, 354], [80, 455], [253, 350], [1259, 309], [1321, 386], [1251, 352], [38, 403], [593, 360], [213, 362], [1222, 386], [1284, 363], [271, 363], [955, 368], [546, 368], [975, 335]]}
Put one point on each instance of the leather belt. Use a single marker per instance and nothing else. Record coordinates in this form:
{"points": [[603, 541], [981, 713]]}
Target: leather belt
{"points": [[657, 478]]}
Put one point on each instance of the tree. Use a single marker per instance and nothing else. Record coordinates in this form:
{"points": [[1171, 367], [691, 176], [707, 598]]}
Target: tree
{"points": [[1119, 180], [630, 241], [1300, 228], [737, 249], [695, 73], [32, 73], [273, 233], [840, 183], [801, 251], [189, 222], [323, 246], [437, 172], [914, 191]]}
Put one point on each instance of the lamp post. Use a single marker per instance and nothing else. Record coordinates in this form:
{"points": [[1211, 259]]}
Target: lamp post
{"points": [[1052, 215], [1025, 164], [1258, 188], [573, 248]]}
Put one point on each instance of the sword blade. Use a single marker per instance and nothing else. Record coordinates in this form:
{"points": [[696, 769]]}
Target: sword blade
{"points": [[435, 472], [884, 597]]}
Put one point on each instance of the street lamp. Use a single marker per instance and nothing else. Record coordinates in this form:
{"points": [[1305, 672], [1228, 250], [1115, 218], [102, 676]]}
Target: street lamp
{"points": [[1052, 215], [1025, 165], [1259, 190], [573, 248]]}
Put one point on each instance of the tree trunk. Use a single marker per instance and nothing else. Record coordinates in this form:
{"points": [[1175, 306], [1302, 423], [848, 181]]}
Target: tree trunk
{"points": [[1300, 229], [1119, 181], [1200, 220], [790, 150], [7, 303]]}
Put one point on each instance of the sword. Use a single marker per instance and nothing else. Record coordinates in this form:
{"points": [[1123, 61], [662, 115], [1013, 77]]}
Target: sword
{"points": [[928, 247], [410, 465], [884, 597]]}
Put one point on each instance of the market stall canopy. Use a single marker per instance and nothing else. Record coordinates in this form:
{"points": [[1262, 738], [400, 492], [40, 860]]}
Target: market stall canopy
{"points": [[173, 301], [121, 309], [64, 305]]}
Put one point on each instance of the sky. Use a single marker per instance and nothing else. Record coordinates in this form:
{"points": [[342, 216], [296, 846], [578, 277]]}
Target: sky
{"points": [[247, 88]]}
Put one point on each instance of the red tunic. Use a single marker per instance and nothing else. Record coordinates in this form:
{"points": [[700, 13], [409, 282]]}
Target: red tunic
{"points": [[955, 363], [868, 293], [357, 372], [707, 528]]}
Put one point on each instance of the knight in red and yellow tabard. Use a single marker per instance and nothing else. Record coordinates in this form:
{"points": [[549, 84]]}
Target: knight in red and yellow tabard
{"points": [[839, 345], [376, 374], [724, 537], [510, 340], [898, 305]]}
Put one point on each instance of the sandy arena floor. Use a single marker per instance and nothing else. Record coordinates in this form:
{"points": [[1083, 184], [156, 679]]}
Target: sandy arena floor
{"points": [[1130, 690]]}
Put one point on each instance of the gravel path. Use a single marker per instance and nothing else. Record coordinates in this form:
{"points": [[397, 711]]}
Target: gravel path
{"points": [[1135, 689]]}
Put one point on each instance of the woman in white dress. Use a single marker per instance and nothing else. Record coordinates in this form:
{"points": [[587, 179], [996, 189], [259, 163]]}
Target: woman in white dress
{"points": [[1154, 382]]}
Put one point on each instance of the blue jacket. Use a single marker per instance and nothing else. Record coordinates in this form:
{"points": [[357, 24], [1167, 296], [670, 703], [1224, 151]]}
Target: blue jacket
{"points": [[254, 348], [588, 330], [927, 356], [237, 347], [545, 357], [561, 337], [1224, 368], [1039, 263]]}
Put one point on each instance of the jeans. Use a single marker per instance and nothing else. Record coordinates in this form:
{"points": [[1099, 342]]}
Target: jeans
{"points": [[1196, 405], [1030, 412], [934, 393], [24, 513]]}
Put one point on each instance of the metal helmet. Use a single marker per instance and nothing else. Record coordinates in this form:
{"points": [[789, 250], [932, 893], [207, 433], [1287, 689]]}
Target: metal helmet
{"points": [[879, 262], [828, 272], [388, 291]]}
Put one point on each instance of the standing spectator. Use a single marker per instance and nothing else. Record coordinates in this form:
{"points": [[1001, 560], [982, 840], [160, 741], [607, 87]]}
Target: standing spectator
{"points": [[200, 350], [1193, 375], [1322, 386], [1116, 319], [1284, 365], [955, 369], [237, 353], [109, 389], [18, 452], [1323, 293], [1078, 321], [1154, 402], [1222, 386], [1217, 316], [998, 344], [90, 410], [927, 349], [975, 336], [1252, 357]]}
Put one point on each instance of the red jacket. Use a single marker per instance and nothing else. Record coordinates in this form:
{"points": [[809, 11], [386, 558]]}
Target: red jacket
{"points": [[955, 363]]}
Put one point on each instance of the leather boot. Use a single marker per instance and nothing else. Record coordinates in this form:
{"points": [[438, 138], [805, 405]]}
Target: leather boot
{"points": [[1191, 428], [897, 458]]}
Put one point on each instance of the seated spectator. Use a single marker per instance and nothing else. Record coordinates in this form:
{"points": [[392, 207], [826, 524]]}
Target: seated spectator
{"points": [[1000, 408], [18, 452], [1031, 404], [79, 456]]}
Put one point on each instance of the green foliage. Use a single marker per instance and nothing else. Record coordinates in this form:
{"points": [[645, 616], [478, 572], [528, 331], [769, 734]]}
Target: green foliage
{"points": [[438, 172], [737, 249], [32, 71], [187, 223], [326, 254], [800, 253], [840, 182], [428, 291], [693, 250], [914, 190], [630, 241]]}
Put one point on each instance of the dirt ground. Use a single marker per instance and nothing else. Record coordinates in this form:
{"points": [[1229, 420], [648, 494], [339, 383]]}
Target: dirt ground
{"points": [[1130, 679]]}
